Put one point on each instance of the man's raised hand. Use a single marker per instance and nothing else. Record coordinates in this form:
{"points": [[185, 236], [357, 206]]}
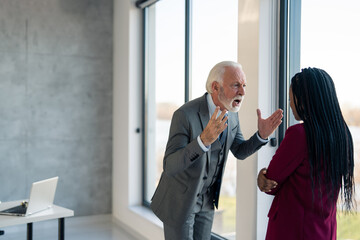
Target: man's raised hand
{"points": [[214, 128], [267, 126]]}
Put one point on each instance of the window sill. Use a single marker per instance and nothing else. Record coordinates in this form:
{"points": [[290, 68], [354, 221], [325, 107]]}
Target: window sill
{"points": [[147, 214]]}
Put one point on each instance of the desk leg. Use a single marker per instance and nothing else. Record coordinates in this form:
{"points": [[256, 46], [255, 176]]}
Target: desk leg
{"points": [[61, 229], [29, 231]]}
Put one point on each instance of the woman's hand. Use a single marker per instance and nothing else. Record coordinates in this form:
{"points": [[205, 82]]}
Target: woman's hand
{"points": [[265, 184]]}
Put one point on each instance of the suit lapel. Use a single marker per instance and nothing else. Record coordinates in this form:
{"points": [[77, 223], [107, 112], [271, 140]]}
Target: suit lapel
{"points": [[204, 119], [231, 131]]}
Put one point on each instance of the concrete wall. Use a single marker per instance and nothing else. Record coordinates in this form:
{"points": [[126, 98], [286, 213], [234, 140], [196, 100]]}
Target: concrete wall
{"points": [[56, 100]]}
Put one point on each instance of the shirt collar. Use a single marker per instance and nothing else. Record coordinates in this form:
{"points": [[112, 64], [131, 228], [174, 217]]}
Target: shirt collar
{"points": [[211, 105]]}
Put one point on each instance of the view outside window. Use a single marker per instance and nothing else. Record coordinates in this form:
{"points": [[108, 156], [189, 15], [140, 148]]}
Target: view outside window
{"points": [[215, 25], [330, 37], [165, 88], [214, 39]]}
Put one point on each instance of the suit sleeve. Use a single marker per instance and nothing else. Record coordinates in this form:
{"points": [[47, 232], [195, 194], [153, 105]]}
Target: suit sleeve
{"points": [[242, 148], [182, 149], [288, 157]]}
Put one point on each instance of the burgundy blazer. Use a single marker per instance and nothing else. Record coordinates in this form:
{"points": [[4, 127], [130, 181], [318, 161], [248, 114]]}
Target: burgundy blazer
{"points": [[293, 213]]}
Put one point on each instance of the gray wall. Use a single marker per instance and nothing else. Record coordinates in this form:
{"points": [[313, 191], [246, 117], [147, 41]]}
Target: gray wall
{"points": [[56, 100]]}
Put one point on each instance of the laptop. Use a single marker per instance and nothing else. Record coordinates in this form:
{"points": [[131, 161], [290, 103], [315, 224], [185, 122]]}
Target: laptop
{"points": [[41, 198]]}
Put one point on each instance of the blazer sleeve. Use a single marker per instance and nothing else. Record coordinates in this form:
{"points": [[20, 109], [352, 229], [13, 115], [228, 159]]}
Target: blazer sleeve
{"points": [[288, 157], [242, 148], [182, 149]]}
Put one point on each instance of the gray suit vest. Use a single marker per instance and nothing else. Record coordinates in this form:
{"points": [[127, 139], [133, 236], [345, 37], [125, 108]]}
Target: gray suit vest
{"points": [[213, 179]]}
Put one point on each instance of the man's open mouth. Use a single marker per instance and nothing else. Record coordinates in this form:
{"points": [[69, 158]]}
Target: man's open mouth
{"points": [[237, 101]]}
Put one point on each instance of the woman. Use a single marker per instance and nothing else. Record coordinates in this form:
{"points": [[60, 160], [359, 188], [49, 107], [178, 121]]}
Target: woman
{"points": [[314, 161]]}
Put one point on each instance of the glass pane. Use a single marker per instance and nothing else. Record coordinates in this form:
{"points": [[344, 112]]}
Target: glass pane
{"points": [[330, 37], [164, 82], [215, 40]]}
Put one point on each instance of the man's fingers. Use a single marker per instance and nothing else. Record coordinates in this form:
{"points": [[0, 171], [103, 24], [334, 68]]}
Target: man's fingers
{"points": [[221, 123], [224, 127], [221, 117], [277, 124], [224, 119], [215, 113], [278, 114], [215, 126], [258, 112]]}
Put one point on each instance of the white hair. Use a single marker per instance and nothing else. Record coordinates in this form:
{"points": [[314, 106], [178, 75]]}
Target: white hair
{"points": [[217, 72]]}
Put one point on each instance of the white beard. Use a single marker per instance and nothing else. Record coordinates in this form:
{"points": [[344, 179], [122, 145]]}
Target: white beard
{"points": [[228, 103]]}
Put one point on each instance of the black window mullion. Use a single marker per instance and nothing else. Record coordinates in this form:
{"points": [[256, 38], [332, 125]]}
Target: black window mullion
{"points": [[289, 56], [144, 105], [188, 45], [283, 65]]}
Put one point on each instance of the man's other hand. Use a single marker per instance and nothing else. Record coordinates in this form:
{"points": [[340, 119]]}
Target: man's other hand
{"points": [[267, 126]]}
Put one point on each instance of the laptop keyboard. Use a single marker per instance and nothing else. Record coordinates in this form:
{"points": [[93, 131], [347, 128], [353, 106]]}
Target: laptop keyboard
{"points": [[18, 209]]}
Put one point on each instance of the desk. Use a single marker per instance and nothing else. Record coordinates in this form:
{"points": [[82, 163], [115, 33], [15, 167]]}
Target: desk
{"points": [[55, 212]]}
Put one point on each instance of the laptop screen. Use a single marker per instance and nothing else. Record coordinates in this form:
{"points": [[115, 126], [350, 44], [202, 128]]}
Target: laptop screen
{"points": [[42, 195]]}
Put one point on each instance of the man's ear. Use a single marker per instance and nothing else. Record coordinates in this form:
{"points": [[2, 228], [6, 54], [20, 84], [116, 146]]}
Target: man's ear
{"points": [[215, 86]]}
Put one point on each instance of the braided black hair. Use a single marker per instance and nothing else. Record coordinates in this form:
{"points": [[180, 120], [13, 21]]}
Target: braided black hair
{"points": [[329, 141]]}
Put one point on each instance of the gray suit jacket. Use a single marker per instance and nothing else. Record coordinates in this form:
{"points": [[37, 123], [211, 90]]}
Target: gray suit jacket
{"points": [[185, 163]]}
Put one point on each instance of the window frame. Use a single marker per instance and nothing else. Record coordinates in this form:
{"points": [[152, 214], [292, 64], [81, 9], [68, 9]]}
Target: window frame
{"points": [[187, 80], [289, 56], [144, 4]]}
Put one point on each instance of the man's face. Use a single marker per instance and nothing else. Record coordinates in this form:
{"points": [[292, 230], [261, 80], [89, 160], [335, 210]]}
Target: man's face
{"points": [[231, 92]]}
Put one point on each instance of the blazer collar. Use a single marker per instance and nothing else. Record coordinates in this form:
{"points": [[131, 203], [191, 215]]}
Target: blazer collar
{"points": [[204, 111]]}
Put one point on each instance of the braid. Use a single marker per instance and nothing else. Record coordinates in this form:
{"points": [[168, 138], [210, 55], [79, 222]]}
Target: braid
{"points": [[329, 140]]}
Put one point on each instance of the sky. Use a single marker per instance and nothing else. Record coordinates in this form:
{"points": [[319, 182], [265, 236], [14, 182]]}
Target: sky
{"points": [[330, 39], [215, 37]]}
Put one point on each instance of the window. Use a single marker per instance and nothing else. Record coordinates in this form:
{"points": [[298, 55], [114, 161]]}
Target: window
{"points": [[164, 83], [183, 40], [330, 43], [215, 40]]}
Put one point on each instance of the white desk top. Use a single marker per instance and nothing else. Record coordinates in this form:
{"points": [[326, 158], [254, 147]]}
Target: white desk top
{"points": [[48, 214]]}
